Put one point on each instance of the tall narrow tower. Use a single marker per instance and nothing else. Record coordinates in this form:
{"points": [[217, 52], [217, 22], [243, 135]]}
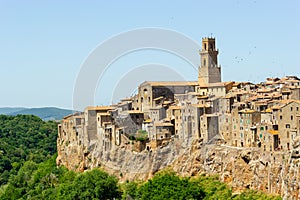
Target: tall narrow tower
{"points": [[209, 71]]}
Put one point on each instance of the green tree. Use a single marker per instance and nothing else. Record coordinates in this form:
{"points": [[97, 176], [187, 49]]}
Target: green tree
{"points": [[213, 188], [93, 184], [129, 189], [167, 185], [257, 195]]}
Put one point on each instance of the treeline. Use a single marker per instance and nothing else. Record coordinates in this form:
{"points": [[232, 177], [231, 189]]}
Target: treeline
{"points": [[28, 171]]}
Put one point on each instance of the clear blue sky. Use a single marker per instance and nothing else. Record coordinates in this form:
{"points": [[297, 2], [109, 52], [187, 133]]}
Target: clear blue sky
{"points": [[44, 43]]}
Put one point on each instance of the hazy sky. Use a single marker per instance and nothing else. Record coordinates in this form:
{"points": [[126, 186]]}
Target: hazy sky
{"points": [[43, 44]]}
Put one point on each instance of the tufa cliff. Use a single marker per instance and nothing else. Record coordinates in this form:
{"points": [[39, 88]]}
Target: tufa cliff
{"points": [[240, 168]]}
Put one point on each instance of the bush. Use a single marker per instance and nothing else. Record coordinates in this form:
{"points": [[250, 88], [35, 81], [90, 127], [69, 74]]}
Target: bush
{"points": [[167, 185]]}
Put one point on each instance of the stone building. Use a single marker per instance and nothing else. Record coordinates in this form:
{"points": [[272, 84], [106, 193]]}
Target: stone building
{"points": [[209, 126], [150, 92], [161, 134], [248, 119], [287, 123], [209, 71]]}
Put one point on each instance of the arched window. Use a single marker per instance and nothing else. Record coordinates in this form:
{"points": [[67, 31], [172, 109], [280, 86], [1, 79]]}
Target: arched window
{"points": [[145, 91]]}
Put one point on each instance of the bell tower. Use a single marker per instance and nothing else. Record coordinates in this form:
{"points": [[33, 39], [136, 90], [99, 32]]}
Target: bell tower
{"points": [[209, 71]]}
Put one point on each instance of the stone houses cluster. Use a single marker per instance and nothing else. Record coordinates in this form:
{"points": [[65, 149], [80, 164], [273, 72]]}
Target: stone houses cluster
{"points": [[239, 114]]}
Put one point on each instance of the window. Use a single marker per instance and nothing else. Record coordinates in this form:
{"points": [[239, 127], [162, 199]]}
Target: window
{"points": [[204, 62], [297, 108], [292, 118], [261, 128], [287, 134], [287, 126], [291, 108], [280, 117]]}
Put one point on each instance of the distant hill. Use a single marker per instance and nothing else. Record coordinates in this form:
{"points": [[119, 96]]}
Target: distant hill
{"points": [[8, 110], [47, 113]]}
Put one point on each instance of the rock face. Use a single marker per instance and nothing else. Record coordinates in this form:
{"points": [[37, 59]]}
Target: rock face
{"points": [[240, 168]]}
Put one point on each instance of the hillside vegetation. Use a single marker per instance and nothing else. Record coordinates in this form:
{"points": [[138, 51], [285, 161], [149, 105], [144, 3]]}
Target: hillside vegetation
{"points": [[28, 171], [22, 138]]}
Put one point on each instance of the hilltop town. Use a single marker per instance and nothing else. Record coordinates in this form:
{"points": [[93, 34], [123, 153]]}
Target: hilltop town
{"points": [[239, 114], [246, 133]]}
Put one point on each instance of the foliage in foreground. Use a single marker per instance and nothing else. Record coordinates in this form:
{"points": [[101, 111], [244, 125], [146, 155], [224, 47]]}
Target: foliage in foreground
{"points": [[166, 185], [46, 181]]}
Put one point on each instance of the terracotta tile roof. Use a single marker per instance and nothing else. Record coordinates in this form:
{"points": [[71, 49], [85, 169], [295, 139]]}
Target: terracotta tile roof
{"points": [[148, 121], [158, 98], [201, 105], [171, 83], [99, 108], [247, 111], [104, 114], [162, 124], [219, 84], [273, 132], [175, 107], [268, 110]]}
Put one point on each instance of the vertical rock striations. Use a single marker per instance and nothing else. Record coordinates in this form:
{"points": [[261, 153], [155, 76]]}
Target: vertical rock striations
{"points": [[240, 168]]}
